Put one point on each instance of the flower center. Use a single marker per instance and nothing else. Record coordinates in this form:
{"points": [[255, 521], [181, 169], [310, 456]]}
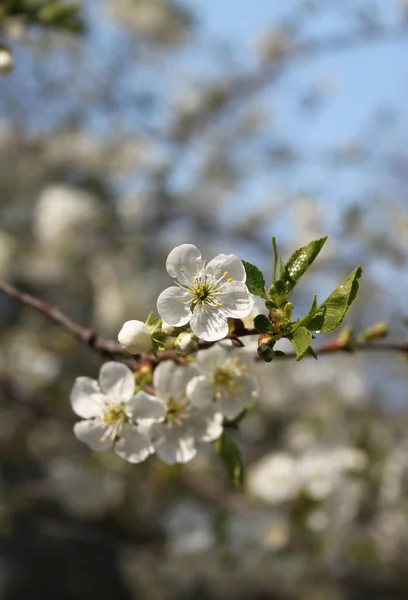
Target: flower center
{"points": [[228, 380], [202, 293], [176, 412], [223, 378], [203, 287], [114, 417]]}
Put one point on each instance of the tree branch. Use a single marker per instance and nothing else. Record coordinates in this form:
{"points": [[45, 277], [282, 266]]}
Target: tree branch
{"points": [[82, 334], [112, 348]]}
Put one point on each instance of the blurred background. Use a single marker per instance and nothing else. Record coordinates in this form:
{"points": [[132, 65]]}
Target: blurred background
{"points": [[128, 127]]}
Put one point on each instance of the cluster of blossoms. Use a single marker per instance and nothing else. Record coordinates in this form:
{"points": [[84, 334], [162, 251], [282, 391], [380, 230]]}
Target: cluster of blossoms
{"points": [[188, 403]]}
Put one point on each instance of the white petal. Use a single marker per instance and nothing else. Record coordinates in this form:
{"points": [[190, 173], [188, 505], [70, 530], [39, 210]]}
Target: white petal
{"points": [[251, 389], [175, 445], [117, 381], [208, 323], [181, 377], [227, 262], [91, 432], [144, 406], [86, 398], [133, 445], [200, 392], [205, 425], [134, 337], [210, 360], [232, 405], [236, 300], [171, 307], [181, 262], [162, 378]]}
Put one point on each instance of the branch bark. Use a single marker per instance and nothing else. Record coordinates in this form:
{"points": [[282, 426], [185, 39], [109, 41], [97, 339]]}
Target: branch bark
{"points": [[111, 348]]}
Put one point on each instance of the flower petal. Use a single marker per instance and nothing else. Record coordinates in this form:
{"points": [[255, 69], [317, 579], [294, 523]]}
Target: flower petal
{"points": [[205, 425], [172, 308], [210, 360], [181, 263], [87, 401], [146, 407], [236, 300], [162, 378], [181, 376], [227, 262], [91, 432], [133, 445], [117, 381], [208, 323], [200, 391], [231, 405], [174, 445]]}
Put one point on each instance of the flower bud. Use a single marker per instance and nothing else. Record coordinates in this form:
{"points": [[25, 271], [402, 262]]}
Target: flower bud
{"points": [[134, 337], [376, 331], [167, 328], [186, 343]]}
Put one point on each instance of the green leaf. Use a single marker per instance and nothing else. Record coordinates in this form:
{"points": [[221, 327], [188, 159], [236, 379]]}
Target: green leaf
{"points": [[153, 323], [333, 310], [262, 324], [255, 280], [301, 341], [301, 260], [231, 457], [275, 259], [281, 269]]}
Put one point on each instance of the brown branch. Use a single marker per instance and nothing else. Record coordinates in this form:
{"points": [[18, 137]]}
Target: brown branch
{"points": [[112, 348], [82, 334]]}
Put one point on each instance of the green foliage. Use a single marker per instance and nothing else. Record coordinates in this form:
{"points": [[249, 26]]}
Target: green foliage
{"points": [[255, 280], [300, 340], [49, 13], [331, 313], [153, 323], [262, 324], [231, 457], [301, 260]]}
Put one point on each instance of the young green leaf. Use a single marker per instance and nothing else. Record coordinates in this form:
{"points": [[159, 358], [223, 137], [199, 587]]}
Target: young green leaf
{"points": [[231, 457], [255, 280], [301, 260], [262, 324], [301, 341], [333, 310]]}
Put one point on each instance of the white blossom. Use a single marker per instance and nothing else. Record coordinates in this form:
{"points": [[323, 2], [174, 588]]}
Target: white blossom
{"points": [[113, 415], [186, 342], [205, 294], [223, 381], [63, 212], [176, 438], [134, 337], [274, 479]]}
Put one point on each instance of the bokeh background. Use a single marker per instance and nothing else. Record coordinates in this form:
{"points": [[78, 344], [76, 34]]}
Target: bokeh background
{"points": [[128, 127]]}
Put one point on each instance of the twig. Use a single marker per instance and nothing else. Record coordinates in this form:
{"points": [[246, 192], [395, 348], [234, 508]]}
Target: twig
{"points": [[112, 348], [83, 334]]}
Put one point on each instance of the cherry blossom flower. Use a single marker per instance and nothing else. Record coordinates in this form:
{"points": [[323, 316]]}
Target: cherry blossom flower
{"points": [[223, 381], [205, 294], [176, 438], [134, 337], [113, 415]]}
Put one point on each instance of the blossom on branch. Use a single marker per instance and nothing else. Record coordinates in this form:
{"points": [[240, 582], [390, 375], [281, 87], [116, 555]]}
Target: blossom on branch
{"points": [[223, 381], [113, 415], [176, 438], [205, 294], [134, 337]]}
